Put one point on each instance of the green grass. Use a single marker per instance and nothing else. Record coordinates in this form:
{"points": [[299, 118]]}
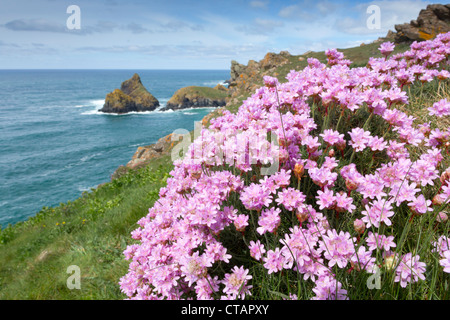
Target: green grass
{"points": [[203, 92], [91, 232]]}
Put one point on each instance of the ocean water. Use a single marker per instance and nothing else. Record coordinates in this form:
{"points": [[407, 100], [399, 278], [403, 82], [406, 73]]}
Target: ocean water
{"points": [[54, 144]]}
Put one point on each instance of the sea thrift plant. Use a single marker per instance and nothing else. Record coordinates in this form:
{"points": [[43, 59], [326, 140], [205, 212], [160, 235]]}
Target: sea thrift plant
{"points": [[356, 185]]}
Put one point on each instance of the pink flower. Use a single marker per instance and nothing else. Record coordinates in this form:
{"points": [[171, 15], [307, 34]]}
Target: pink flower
{"points": [[409, 270], [378, 211], [274, 261], [376, 241], [206, 287], [290, 198], [337, 248], [240, 222], [377, 144], [404, 192], [325, 199], [440, 108], [256, 249], [282, 178], [255, 196], [323, 177], [332, 137], [328, 288], [359, 139], [386, 48], [420, 205], [445, 262], [194, 267], [363, 260], [269, 220], [344, 203], [236, 283]]}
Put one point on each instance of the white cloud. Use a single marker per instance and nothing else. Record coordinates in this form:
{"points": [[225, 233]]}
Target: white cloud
{"points": [[260, 26], [391, 13], [291, 11], [259, 4]]}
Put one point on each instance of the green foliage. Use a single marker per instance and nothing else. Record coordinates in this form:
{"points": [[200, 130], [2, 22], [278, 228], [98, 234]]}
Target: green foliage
{"points": [[91, 232]]}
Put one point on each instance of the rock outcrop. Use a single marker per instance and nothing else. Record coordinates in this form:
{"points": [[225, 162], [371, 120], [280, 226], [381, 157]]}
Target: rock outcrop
{"points": [[132, 96], [144, 155], [197, 97], [246, 78], [431, 21]]}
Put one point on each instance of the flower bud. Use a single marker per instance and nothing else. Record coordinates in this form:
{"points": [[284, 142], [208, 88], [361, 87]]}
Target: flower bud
{"points": [[445, 177], [301, 214], [283, 142], [196, 174], [341, 145], [437, 200], [442, 217], [359, 226], [331, 153], [390, 261], [283, 156], [270, 82], [299, 169], [425, 130], [351, 185]]}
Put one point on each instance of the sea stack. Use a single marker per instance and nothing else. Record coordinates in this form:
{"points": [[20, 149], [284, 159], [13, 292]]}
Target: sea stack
{"points": [[132, 96]]}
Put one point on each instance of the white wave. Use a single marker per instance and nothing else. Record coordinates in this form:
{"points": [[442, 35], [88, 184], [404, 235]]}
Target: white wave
{"points": [[88, 157], [162, 112], [198, 108], [214, 83], [83, 189], [90, 112], [96, 112], [189, 113], [98, 103]]}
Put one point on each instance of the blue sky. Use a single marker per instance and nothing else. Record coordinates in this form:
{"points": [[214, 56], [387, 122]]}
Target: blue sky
{"points": [[166, 34]]}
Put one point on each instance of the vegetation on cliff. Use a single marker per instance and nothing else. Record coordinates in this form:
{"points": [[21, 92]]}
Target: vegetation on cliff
{"points": [[93, 231], [326, 186], [197, 97]]}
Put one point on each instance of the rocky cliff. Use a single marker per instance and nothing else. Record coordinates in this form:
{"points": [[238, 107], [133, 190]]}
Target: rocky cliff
{"points": [[132, 96], [431, 21], [247, 78], [197, 97]]}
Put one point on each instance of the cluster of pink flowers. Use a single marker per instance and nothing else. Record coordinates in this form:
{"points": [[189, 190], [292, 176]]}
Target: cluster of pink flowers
{"points": [[220, 188]]}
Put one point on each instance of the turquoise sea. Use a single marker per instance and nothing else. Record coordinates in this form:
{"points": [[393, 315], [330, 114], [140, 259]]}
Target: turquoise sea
{"points": [[54, 144]]}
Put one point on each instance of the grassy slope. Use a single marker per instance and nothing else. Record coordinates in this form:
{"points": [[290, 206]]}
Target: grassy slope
{"points": [[92, 231], [195, 91]]}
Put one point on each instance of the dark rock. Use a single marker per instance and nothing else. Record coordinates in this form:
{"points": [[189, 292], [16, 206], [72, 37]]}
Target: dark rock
{"points": [[132, 96]]}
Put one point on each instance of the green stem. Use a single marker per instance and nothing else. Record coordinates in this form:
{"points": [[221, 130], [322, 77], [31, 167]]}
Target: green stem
{"points": [[367, 121], [339, 121]]}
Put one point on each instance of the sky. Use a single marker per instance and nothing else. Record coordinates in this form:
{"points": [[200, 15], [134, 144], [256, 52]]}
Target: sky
{"points": [[187, 34]]}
